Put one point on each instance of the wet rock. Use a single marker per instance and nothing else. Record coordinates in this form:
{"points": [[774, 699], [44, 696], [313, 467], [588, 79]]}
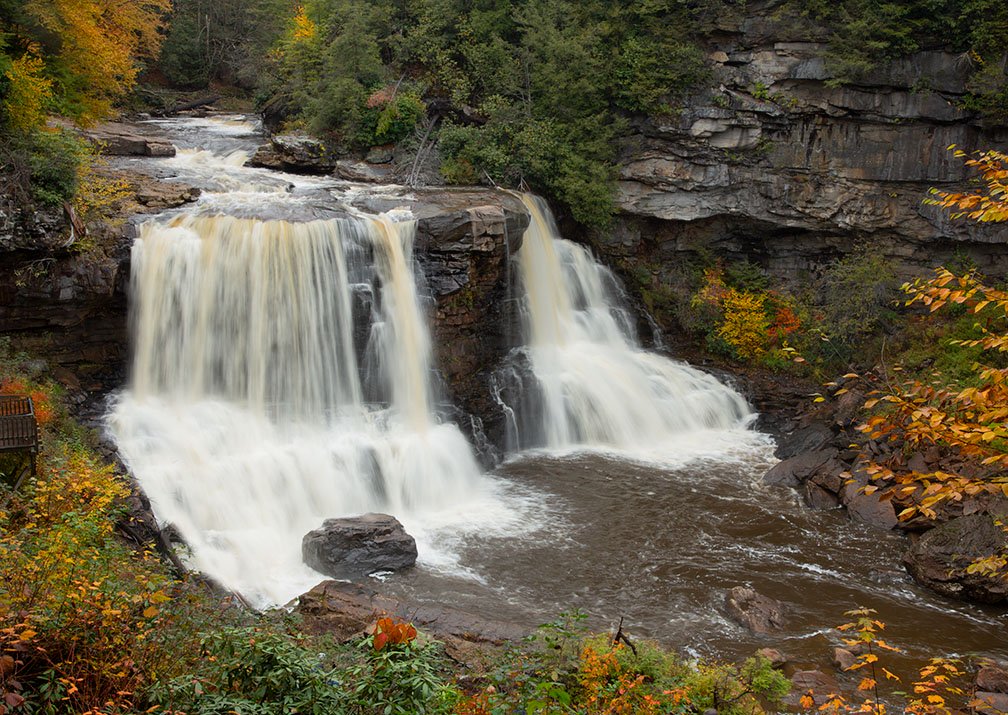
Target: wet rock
{"points": [[297, 153], [346, 610], [941, 556], [760, 614], [363, 172], [117, 139], [868, 508], [792, 472], [353, 547], [813, 682], [818, 498], [812, 438], [990, 703], [992, 678], [843, 659], [465, 238], [777, 659], [166, 195]]}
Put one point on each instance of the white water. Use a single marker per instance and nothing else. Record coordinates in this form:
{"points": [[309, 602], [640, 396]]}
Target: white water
{"points": [[596, 387], [249, 420]]}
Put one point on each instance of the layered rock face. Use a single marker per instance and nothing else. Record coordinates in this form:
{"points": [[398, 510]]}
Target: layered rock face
{"points": [[777, 166], [465, 238], [59, 304]]}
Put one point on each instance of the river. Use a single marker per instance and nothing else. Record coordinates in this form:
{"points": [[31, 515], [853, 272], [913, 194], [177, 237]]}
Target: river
{"points": [[259, 405]]}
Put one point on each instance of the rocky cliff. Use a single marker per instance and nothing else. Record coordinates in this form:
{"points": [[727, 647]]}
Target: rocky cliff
{"points": [[778, 165]]}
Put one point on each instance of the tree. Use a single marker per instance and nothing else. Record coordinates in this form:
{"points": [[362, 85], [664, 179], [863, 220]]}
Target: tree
{"points": [[988, 205], [92, 48], [968, 423]]}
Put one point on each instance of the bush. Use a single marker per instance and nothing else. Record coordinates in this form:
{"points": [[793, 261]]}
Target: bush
{"points": [[855, 300], [252, 671], [54, 162]]}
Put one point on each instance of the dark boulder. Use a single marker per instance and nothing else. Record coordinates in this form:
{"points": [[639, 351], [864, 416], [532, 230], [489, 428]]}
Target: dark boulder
{"points": [[353, 547], [364, 172], [990, 703], [777, 659], [813, 437], [869, 508], [843, 659], [792, 472], [760, 614], [941, 557], [296, 153]]}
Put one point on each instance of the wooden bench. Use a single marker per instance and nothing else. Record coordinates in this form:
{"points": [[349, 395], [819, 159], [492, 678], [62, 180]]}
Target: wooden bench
{"points": [[19, 430]]}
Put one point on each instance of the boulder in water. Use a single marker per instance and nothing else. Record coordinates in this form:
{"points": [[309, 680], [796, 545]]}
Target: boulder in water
{"points": [[759, 613], [941, 557], [354, 547], [795, 470], [296, 153]]}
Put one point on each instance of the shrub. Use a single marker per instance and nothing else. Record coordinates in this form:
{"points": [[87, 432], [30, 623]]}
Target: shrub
{"points": [[54, 160], [855, 298], [400, 674], [251, 671]]}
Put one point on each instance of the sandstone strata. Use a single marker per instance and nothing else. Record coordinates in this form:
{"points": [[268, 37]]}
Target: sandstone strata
{"points": [[776, 166]]}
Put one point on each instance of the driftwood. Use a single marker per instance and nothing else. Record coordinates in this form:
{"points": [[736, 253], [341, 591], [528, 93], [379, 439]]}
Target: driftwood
{"points": [[620, 637], [186, 106]]}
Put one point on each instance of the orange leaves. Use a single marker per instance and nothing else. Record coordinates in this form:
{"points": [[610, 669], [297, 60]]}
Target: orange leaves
{"points": [[100, 43], [388, 632], [990, 205]]}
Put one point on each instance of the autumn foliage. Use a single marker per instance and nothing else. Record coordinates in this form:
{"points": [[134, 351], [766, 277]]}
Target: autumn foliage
{"points": [[989, 204], [74, 57]]}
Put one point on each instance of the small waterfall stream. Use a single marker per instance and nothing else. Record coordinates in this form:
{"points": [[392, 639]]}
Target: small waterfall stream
{"points": [[592, 385]]}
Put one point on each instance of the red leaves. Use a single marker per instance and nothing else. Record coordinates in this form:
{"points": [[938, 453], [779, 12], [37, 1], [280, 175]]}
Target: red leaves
{"points": [[388, 632]]}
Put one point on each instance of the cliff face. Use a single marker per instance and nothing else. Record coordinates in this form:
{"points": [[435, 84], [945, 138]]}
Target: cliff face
{"points": [[62, 305], [777, 166]]}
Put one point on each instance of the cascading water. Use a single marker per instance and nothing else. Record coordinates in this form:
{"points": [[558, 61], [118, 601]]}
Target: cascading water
{"points": [[248, 420], [592, 385]]}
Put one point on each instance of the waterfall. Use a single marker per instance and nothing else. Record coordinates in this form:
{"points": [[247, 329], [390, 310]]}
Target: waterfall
{"points": [[582, 379], [281, 376]]}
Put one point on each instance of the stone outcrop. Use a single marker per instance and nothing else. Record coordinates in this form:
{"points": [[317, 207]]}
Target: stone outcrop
{"points": [[353, 547], [760, 614], [118, 139], [346, 610], [940, 558], [63, 295], [464, 240], [776, 166], [296, 153]]}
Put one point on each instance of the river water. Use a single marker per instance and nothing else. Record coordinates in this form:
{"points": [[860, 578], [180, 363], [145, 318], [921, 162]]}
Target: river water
{"points": [[283, 376]]}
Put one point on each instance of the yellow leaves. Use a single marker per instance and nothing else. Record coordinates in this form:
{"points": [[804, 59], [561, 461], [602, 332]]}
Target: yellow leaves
{"points": [[28, 93], [304, 28], [806, 701], [150, 612], [866, 684], [745, 323], [100, 43]]}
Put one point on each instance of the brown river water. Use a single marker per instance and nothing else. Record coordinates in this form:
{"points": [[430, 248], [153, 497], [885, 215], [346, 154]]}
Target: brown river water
{"points": [[660, 547]]}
